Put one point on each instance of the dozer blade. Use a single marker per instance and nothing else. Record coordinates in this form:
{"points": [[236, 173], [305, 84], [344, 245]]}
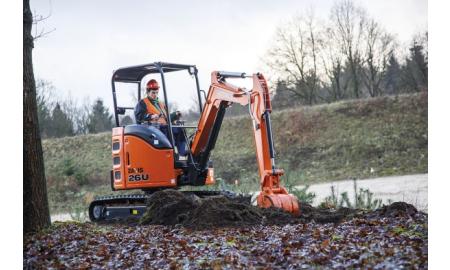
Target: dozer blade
{"points": [[287, 202]]}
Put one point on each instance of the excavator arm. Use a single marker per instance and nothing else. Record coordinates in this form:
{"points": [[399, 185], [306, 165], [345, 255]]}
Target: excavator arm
{"points": [[221, 95]]}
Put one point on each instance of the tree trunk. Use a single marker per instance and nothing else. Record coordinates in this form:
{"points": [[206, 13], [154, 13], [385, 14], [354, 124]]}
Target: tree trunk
{"points": [[35, 205]]}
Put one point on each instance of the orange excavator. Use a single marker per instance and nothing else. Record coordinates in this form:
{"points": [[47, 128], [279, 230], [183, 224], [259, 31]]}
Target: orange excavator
{"points": [[145, 158]]}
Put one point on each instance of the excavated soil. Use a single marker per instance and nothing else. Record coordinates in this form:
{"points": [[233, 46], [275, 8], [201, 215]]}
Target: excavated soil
{"points": [[171, 207]]}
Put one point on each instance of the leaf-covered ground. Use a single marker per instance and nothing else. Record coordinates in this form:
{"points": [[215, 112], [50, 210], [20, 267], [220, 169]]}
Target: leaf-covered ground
{"points": [[374, 240]]}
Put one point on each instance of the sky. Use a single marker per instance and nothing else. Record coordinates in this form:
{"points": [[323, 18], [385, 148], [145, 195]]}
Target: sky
{"points": [[90, 39]]}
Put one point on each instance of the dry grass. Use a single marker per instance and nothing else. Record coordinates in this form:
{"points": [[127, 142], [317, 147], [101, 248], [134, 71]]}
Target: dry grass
{"points": [[359, 138]]}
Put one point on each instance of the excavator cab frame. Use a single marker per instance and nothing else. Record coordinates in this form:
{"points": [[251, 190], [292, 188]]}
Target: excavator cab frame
{"points": [[135, 74]]}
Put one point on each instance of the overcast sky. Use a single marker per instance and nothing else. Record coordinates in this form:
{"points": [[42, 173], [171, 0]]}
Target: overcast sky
{"points": [[92, 38]]}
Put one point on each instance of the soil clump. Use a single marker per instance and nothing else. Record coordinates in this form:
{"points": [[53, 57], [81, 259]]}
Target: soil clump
{"points": [[168, 207], [396, 209], [171, 207]]}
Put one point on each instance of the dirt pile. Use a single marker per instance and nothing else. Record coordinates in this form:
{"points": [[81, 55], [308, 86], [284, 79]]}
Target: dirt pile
{"points": [[172, 207], [325, 215], [169, 207], [396, 209], [219, 211]]}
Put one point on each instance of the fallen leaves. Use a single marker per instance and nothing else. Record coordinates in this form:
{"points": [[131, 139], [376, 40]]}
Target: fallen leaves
{"points": [[378, 243]]}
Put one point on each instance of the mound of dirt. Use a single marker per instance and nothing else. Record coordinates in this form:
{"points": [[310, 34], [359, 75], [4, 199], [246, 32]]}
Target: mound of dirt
{"points": [[396, 209], [168, 207], [220, 211], [324, 215], [171, 207]]}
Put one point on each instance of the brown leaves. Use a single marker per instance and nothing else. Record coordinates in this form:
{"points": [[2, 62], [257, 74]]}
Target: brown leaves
{"points": [[325, 244], [316, 234], [358, 243]]}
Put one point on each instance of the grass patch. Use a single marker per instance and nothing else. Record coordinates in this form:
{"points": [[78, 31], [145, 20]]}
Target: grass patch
{"points": [[350, 139]]}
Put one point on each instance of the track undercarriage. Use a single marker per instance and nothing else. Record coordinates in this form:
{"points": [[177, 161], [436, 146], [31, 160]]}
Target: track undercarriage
{"points": [[133, 206]]}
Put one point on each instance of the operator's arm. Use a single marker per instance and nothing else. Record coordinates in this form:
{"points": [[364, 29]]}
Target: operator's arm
{"points": [[140, 112]]}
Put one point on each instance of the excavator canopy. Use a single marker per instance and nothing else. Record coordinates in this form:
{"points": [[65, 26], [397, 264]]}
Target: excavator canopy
{"points": [[136, 73]]}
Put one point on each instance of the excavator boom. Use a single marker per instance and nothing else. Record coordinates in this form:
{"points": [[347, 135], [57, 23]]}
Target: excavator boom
{"points": [[221, 95]]}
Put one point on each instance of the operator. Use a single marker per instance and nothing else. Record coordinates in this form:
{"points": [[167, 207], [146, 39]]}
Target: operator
{"points": [[150, 109]]}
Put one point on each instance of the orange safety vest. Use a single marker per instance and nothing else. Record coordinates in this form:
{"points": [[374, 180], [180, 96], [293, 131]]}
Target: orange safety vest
{"points": [[151, 109]]}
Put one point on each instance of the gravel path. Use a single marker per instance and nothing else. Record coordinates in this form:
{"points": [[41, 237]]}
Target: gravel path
{"points": [[412, 189]]}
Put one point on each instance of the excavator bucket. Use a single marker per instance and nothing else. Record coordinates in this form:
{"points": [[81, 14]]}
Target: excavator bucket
{"points": [[282, 200]]}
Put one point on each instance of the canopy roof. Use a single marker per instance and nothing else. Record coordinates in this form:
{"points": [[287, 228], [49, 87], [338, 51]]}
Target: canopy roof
{"points": [[136, 73]]}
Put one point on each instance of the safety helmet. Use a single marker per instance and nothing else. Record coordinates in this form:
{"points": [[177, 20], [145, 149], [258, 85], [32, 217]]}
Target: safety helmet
{"points": [[152, 85]]}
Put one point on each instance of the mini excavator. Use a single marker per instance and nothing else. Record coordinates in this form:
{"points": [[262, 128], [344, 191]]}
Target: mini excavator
{"points": [[145, 158]]}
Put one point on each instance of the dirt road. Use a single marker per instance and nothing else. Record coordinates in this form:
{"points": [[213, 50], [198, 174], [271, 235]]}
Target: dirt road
{"points": [[412, 189]]}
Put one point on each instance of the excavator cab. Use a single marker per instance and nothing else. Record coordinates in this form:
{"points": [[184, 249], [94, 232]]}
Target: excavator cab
{"points": [[143, 156]]}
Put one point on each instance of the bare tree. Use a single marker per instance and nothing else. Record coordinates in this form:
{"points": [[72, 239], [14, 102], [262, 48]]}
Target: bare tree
{"points": [[36, 214], [348, 22], [45, 92], [295, 57], [45, 103], [40, 32], [70, 107], [82, 116], [379, 47], [334, 67]]}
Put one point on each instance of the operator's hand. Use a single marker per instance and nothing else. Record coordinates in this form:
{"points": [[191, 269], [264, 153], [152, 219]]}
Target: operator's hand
{"points": [[151, 117]]}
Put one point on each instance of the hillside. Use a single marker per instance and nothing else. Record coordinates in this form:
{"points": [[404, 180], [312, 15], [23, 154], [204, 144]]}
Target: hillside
{"points": [[359, 138]]}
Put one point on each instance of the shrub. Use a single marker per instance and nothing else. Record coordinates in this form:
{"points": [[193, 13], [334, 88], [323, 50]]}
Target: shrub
{"points": [[363, 199], [291, 180], [68, 167], [73, 171]]}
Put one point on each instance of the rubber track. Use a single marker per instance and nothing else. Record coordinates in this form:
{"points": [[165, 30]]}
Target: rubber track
{"points": [[140, 199]]}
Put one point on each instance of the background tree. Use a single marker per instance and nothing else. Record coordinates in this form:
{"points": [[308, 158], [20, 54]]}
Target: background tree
{"points": [[348, 56], [126, 120], [99, 119], [392, 80], [81, 119], [415, 71], [295, 57], [378, 48], [35, 204], [334, 66], [44, 91], [349, 21], [61, 124]]}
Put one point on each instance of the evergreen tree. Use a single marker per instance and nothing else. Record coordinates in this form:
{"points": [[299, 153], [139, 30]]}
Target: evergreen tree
{"points": [[126, 120], [392, 77], [415, 72], [44, 115], [61, 125], [284, 97], [99, 119]]}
